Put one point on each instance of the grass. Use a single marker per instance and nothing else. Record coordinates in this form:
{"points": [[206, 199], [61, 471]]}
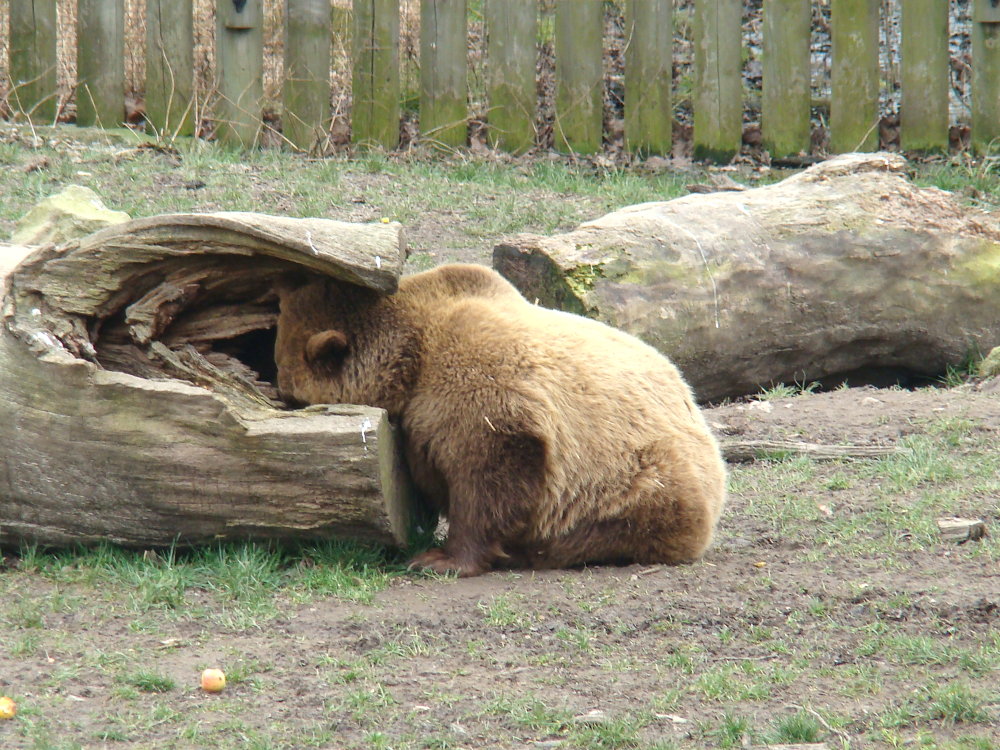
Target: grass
{"points": [[798, 728], [150, 682], [950, 704], [733, 731], [483, 200], [245, 581]]}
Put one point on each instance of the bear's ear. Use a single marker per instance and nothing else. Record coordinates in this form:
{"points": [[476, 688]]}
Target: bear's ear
{"points": [[326, 348]]}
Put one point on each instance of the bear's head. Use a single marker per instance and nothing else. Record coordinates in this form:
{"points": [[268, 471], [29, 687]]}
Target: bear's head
{"points": [[341, 343]]}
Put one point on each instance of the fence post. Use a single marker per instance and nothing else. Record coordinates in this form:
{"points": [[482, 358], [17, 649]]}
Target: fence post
{"points": [[306, 88], [100, 63], [718, 89], [170, 105], [985, 76], [512, 29], [786, 67], [923, 109], [648, 62], [443, 46], [33, 59], [579, 75], [239, 45], [854, 75], [375, 80]]}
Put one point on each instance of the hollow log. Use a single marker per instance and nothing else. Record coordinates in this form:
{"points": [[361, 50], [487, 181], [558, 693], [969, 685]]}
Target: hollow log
{"points": [[136, 394], [837, 273]]}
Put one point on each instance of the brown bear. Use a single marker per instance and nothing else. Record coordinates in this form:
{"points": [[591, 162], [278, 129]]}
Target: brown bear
{"points": [[545, 438]]}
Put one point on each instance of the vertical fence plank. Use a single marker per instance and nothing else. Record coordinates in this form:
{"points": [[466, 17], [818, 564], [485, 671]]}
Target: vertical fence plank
{"points": [[375, 82], [718, 89], [923, 107], [986, 76], [32, 51], [443, 45], [854, 75], [786, 70], [512, 28], [579, 75], [306, 88], [170, 105], [100, 63], [648, 62], [239, 45]]}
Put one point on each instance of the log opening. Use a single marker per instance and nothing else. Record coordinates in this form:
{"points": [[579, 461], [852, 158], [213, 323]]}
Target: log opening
{"points": [[213, 325]]}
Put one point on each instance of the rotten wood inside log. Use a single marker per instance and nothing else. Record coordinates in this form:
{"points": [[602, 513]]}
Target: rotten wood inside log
{"points": [[211, 322]]}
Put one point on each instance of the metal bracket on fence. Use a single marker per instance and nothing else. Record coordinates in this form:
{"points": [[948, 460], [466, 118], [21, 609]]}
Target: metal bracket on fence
{"points": [[241, 14]]}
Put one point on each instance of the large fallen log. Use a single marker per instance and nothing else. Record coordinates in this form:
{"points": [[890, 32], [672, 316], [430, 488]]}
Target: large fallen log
{"points": [[136, 394], [845, 271]]}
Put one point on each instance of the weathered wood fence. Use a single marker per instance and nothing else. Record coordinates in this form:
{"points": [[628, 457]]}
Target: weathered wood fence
{"points": [[717, 99]]}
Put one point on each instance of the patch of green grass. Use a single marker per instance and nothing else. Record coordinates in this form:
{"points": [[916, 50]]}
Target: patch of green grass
{"points": [[247, 578], [919, 461], [733, 731], [578, 638], [798, 728], [977, 181], [612, 733], [24, 646], [953, 430], [949, 703], [528, 712], [150, 682], [25, 614], [366, 704], [349, 570], [244, 671], [956, 703], [414, 644], [505, 611], [787, 390], [726, 684]]}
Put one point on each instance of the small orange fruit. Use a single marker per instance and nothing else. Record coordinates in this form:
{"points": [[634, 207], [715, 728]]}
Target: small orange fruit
{"points": [[213, 680], [7, 708]]}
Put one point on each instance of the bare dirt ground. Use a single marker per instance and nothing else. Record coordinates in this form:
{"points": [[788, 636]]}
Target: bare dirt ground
{"points": [[824, 599]]}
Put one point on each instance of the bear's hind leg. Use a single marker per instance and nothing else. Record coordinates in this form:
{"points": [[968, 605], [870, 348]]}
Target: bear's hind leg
{"points": [[491, 505]]}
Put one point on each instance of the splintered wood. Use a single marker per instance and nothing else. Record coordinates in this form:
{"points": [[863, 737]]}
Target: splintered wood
{"points": [[961, 530]]}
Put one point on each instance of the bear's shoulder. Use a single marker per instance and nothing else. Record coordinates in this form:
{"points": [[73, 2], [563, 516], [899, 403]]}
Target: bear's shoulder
{"points": [[458, 281]]}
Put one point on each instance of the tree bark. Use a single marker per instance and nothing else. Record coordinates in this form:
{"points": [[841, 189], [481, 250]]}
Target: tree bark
{"points": [[844, 268], [135, 398]]}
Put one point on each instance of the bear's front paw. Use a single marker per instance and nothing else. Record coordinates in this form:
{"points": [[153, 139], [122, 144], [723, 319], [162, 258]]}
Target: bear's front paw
{"points": [[438, 561]]}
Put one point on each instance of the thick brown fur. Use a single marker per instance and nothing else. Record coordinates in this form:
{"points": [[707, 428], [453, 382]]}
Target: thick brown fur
{"points": [[547, 439]]}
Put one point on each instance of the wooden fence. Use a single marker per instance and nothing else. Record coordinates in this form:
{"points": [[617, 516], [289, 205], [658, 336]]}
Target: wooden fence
{"points": [[512, 30]]}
